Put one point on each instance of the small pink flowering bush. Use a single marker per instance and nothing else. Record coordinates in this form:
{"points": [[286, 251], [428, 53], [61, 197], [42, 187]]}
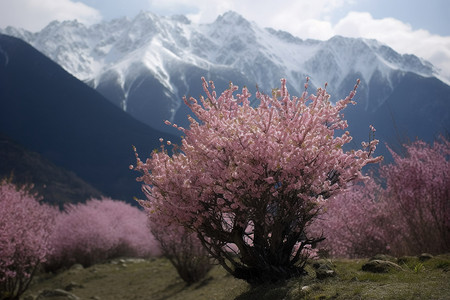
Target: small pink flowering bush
{"points": [[25, 227], [100, 230], [266, 168]]}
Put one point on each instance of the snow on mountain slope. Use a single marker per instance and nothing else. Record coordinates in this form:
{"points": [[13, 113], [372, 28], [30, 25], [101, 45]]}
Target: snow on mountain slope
{"points": [[122, 55]]}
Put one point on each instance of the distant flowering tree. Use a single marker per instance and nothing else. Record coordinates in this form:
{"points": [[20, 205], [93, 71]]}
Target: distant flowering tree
{"points": [[25, 226], [418, 187], [249, 180], [410, 215], [99, 230], [357, 222]]}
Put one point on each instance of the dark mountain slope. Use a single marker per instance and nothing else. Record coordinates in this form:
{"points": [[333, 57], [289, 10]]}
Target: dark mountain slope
{"points": [[51, 112], [418, 108], [55, 185]]}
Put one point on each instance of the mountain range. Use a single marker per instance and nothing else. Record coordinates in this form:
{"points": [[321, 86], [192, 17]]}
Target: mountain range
{"points": [[147, 64], [141, 68]]}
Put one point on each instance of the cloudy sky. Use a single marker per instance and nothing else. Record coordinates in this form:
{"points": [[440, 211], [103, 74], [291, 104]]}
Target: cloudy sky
{"points": [[409, 26]]}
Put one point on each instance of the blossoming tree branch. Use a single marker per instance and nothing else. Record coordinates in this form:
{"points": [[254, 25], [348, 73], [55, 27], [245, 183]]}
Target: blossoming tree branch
{"points": [[250, 180]]}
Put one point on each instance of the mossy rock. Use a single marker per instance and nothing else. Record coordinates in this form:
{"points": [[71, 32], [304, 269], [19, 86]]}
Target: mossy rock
{"points": [[324, 269], [57, 294], [380, 266]]}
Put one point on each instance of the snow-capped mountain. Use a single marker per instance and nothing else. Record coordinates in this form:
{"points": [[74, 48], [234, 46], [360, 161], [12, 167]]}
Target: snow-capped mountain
{"points": [[262, 55], [147, 64]]}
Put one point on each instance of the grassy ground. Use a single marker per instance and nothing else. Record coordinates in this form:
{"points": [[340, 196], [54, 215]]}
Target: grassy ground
{"points": [[156, 279]]}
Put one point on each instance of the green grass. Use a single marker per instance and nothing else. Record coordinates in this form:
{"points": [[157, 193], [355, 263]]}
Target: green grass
{"points": [[156, 279]]}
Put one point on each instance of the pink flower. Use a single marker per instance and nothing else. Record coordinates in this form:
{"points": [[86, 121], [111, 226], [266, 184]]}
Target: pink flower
{"points": [[270, 180]]}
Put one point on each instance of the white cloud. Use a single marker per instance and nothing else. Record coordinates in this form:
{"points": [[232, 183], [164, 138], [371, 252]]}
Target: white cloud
{"points": [[173, 7], [280, 14], [399, 36], [33, 15]]}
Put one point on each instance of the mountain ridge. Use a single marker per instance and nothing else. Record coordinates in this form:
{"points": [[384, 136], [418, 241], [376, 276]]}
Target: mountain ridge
{"points": [[145, 66], [260, 55]]}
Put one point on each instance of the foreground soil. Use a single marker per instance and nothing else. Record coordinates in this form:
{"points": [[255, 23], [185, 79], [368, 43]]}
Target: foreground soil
{"points": [[156, 279]]}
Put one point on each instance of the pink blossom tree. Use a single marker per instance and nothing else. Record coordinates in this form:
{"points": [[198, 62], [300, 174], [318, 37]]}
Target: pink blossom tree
{"points": [[99, 230], [265, 168], [25, 227]]}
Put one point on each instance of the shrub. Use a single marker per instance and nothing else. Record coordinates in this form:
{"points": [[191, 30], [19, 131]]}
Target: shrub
{"points": [[25, 226], [100, 230], [265, 168], [184, 250]]}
